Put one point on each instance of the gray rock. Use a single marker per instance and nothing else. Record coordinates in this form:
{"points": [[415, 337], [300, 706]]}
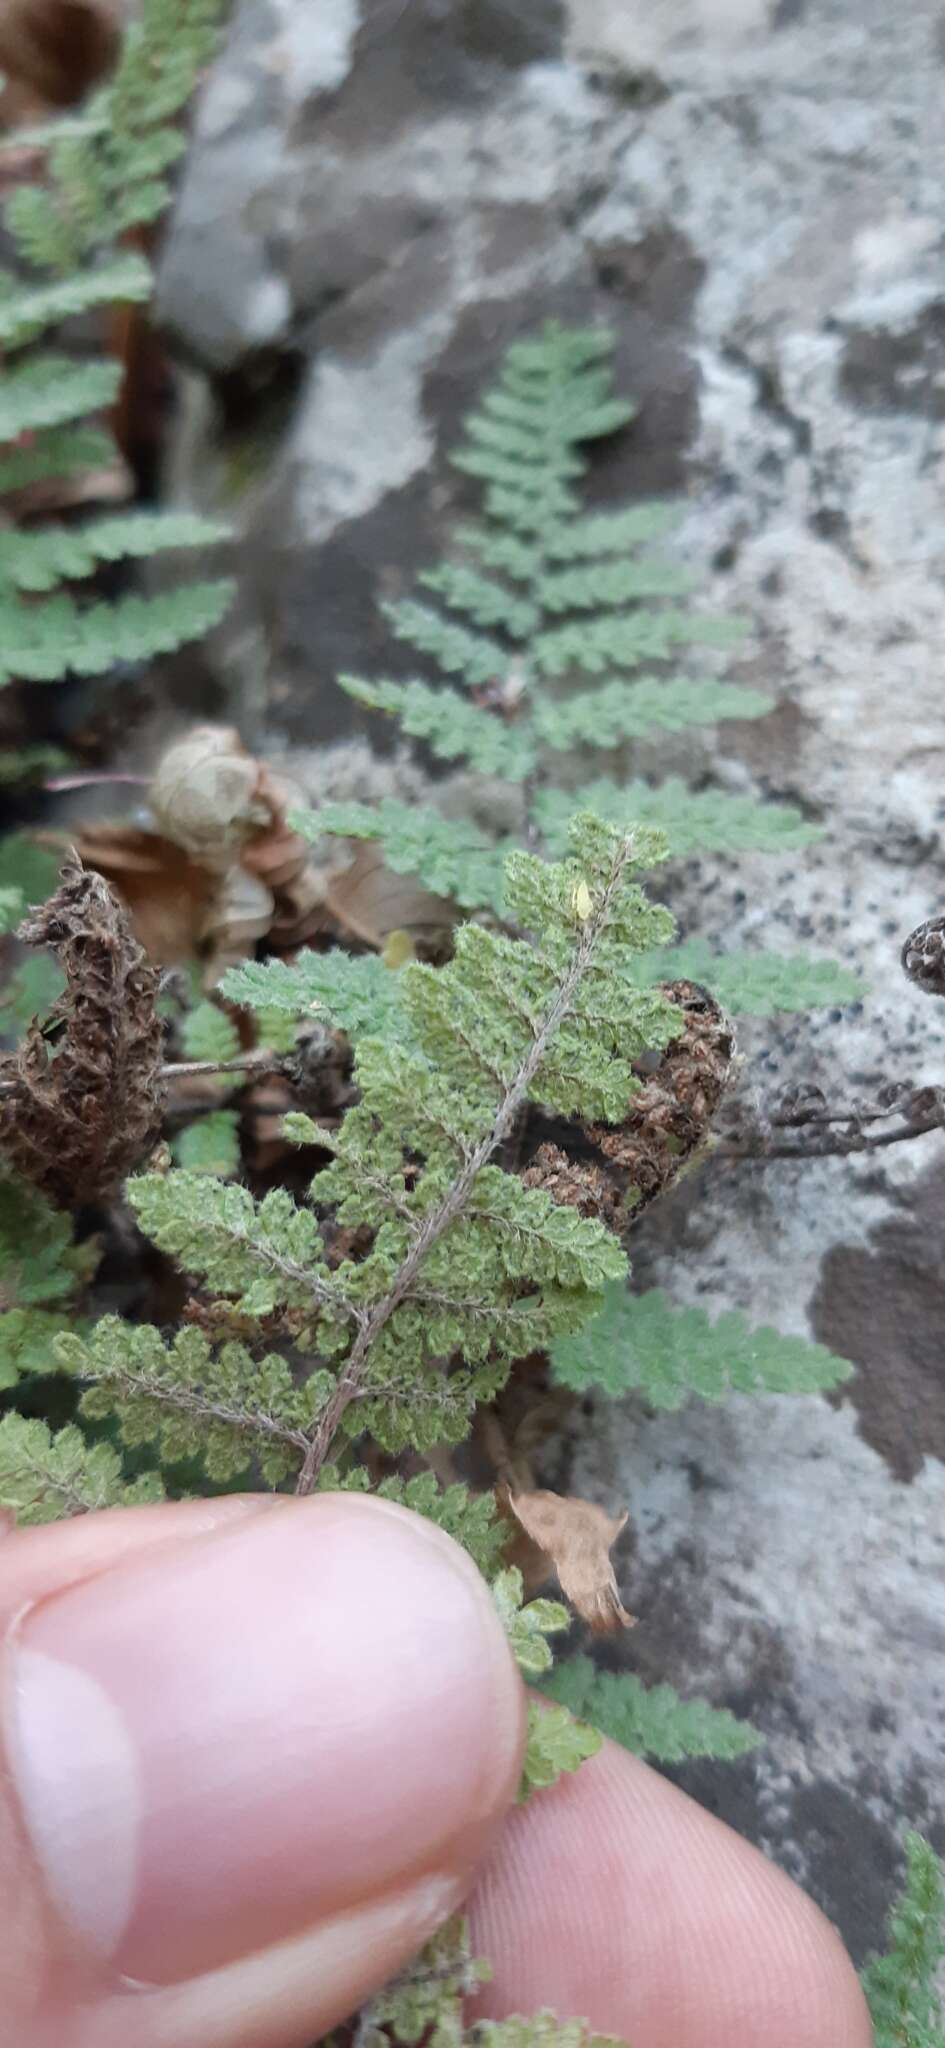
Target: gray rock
{"points": [[753, 192]]}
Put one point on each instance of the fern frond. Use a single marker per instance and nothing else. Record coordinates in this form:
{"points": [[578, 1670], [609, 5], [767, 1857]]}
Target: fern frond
{"points": [[902, 1986], [482, 599], [538, 2030], [450, 857], [454, 729], [224, 1407], [626, 640], [756, 984], [210, 1145], [39, 1263], [264, 1256], [209, 1034], [619, 711], [39, 558], [648, 1344], [602, 586], [650, 1721], [27, 1338], [611, 533], [476, 657], [354, 991], [555, 1743], [30, 992], [40, 643], [45, 1476], [708, 821], [48, 390], [25, 310], [528, 1624], [57, 452]]}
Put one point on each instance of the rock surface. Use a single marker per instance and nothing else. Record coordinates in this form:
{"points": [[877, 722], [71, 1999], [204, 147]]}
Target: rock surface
{"points": [[752, 192]]}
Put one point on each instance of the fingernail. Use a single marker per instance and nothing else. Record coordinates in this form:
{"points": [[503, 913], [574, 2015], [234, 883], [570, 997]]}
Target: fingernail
{"points": [[216, 1748]]}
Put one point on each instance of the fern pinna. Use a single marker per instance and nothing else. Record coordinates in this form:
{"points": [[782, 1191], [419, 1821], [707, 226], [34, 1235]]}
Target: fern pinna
{"points": [[73, 233], [560, 635]]}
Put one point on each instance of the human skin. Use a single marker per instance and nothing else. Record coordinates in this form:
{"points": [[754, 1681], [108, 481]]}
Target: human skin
{"points": [[255, 1750]]}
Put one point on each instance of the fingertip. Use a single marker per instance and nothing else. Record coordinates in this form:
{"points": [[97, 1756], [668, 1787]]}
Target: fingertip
{"points": [[614, 1897]]}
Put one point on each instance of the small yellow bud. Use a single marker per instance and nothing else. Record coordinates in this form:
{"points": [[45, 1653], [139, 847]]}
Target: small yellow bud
{"points": [[582, 902], [398, 949]]}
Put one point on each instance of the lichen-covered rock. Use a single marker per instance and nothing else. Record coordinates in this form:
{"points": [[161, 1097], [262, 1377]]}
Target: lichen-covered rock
{"points": [[753, 193]]}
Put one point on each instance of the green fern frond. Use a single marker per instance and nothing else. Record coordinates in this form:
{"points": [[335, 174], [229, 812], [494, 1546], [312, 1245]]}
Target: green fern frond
{"points": [[39, 558], [25, 310], [453, 728], [27, 1337], [45, 1476], [265, 1256], [27, 866], [756, 984], [450, 857], [538, 2030], [619, 711], [482, 599], [903, 1986], [354, 991], [555, 1743], [650, 1721], [58, 452], [708, 821], [528, 1624], [602, 586], [12, 906], [40, 643], [627, 640], [648, 1344], [30, 764], [49, 390], [223, 1407], [456, 650], [209, 1034], [598, 534], [211, 1144], [30, 992]]}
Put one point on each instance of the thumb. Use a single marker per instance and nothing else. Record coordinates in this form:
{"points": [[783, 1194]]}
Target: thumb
{"points": [[246, 1770]]}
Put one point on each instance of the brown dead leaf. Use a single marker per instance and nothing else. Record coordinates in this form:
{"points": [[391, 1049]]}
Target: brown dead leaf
{"points": [[224, 870], [576, 1537], [81, 1098], [168, 896], [52, 52], [370, 902]]}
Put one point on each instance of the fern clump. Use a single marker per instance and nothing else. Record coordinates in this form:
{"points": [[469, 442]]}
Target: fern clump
{"points": [[651, 1722], [541, 596], [106, 177], [903, 1986]]}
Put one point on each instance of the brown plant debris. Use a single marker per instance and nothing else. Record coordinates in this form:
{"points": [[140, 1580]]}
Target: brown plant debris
{"points": [[575, 1537], [82, 1096], [613, 1172], [923, 956], [223, 870]]}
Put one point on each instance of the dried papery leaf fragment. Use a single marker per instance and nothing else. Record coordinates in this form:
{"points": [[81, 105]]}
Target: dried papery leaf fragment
{"points": [[370, 902], [82, 1098], [206, 796], [224, 871], [576, 1537], [169, 897]]}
